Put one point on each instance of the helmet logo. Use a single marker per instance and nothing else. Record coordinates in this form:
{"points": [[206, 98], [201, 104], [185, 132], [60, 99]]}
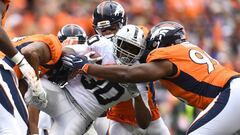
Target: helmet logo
{"points": [[161, 32], [119, 10], [135, 33]]}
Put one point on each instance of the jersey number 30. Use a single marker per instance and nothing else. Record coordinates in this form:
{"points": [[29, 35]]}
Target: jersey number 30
{"points": [[101, 88]]}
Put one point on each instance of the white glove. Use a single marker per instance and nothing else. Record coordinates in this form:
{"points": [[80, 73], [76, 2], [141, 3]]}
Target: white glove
{"points": [[31, 78], [36, 95]]}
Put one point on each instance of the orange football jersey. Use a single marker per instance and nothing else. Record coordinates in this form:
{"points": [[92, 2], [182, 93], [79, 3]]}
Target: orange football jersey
{"points": [[124, 112], [52, 42], [199, 77]]}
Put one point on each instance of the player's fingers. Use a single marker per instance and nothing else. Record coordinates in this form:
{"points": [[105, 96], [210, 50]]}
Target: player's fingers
{"points": [[98, 58], [89, 54], [67, 58], [95, 59], [68, 64]]}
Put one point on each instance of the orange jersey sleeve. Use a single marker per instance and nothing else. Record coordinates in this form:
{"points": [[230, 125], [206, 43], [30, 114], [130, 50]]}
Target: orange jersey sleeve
{"points": [[52, 42], [124, 112], [199, 79]]}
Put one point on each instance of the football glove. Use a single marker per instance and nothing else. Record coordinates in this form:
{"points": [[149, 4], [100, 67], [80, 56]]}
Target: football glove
{"points": [[92, 57], [74, 62], [30, 76], [36, 96], [80, 63]]}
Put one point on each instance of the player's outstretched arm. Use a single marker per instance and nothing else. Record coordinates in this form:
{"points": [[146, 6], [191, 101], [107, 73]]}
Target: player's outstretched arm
{"points": [[121, 73], [136, 73]]}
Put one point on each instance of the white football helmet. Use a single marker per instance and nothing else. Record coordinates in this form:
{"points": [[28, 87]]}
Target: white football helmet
{"points": [[129, 44]]}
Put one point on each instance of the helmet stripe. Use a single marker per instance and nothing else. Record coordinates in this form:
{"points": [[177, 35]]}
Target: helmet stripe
{"points": [[136, 33]]}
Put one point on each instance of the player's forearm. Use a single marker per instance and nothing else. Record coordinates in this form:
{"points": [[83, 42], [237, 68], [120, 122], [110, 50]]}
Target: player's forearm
{"points": [[33, 60], [33, 119], [6, 45], [114, 73], [142, 113]]}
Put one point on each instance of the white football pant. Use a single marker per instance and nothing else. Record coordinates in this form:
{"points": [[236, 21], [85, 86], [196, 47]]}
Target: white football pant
{"points": [[222, 116]]}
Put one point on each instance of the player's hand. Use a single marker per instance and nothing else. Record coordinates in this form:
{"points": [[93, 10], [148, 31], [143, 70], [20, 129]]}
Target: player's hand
{"points": [[92, 58], [36, 95], [74, 62], [30, 76]]}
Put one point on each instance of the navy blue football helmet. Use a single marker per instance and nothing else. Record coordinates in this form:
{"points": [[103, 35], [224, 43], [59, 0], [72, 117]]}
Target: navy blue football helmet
{"points": [[72, 30], [165, 34], [108, 15]]}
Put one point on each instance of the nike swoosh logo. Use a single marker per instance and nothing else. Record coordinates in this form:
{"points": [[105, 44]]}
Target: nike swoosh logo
{"points": [[79, 61]]}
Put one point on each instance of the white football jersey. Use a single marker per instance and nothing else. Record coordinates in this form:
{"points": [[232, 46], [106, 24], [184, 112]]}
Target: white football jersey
{"points": [[102, 46], [96, 96]]}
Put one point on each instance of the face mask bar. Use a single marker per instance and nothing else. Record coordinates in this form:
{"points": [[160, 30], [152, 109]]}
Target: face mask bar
{"points": [[101, 30], [126, 53], [81, 40]]}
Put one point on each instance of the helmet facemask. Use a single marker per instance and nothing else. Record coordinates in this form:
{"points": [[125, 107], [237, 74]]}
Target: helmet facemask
{"points": [[127, 52], [106, 29]]}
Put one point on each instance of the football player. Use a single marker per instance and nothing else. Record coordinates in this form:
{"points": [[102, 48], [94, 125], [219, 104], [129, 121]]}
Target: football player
{"points": [[188, 73], [133, 36], [69, 35], [43, 52], [108, 18], [128, 118], [84, 98], [14, 115], [18, 60]]}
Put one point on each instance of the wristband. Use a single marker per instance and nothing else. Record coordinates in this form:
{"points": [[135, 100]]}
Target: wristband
{"points": [[85, 68], [17, 58]]}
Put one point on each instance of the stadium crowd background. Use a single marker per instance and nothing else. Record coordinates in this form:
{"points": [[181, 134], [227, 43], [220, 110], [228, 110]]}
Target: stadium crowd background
{"points": [[214, 25]]}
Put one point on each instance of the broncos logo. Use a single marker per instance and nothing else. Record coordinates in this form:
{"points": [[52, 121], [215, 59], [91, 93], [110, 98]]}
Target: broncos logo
{"points": [[159, 33], [119, 10]]}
